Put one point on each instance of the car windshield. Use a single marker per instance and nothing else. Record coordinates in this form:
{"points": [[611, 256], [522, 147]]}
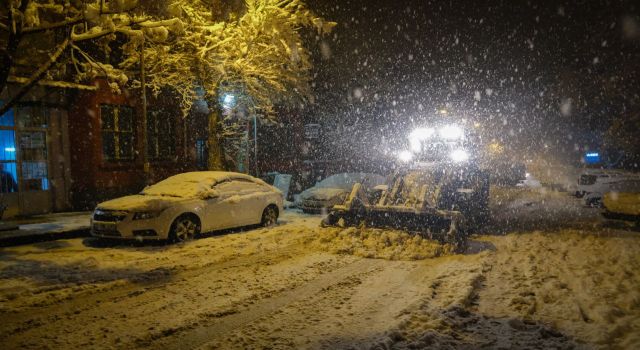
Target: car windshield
{"points": [[343, 181], [630, 186]]}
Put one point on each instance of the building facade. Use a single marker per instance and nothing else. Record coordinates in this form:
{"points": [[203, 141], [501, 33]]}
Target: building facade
{"points": [[34, 157], [106, 133], [69, 149]]}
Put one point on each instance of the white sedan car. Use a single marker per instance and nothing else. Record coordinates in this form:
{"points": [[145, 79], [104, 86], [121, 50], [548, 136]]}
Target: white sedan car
{"points": [[184, 205]]}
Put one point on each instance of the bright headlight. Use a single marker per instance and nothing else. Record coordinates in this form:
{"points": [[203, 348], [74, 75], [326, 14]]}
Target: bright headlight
{"points": [[405, 156], [451, 132], [459, 155]]}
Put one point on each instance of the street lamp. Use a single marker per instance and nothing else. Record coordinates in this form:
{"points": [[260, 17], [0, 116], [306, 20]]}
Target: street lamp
{"points": [[228, 101]]}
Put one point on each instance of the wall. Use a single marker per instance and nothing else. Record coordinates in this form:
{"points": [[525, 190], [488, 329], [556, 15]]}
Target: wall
{"points": [[96, 179]]}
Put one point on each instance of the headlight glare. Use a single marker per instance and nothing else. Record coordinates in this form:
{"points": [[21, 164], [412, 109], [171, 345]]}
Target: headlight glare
{"points": [[459, 155]]}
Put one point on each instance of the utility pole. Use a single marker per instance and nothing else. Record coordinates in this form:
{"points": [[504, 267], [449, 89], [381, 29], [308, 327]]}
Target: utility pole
{"points": [[255, 144], [145, 151]]}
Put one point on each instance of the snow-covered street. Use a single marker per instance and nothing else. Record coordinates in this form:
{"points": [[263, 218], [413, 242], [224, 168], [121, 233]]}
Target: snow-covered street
{"points": [[572, 283]]}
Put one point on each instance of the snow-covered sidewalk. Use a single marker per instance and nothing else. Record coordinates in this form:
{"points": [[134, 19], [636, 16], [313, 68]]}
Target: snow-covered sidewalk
{"points": [[45, 227]]}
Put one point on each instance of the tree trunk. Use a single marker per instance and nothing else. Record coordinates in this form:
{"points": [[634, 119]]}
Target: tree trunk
{"points": [[216, 153]]}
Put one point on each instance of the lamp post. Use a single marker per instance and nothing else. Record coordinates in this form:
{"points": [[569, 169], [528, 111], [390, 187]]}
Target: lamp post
{"points": [[255, 143], [229, 102], [145, 150]]}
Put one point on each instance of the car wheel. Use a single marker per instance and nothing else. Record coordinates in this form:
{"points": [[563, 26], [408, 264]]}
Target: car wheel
{"points": [[184, 228], [269, 216]]}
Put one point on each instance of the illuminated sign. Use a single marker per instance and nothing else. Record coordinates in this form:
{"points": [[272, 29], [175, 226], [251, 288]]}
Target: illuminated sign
{"points": [[592, 158]]}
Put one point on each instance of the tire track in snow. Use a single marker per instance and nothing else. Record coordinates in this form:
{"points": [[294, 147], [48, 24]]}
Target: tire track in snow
{"points": [[189, 338], [26, 321]]}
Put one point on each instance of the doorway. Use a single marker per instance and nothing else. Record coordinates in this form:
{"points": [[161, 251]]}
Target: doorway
{"points": [[25, 142]]}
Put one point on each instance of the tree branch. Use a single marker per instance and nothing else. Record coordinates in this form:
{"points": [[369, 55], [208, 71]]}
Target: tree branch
{"points": [[56, 25], [7, 57], [35, 77]]}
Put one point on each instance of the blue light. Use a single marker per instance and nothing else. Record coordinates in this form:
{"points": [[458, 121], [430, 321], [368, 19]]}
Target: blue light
{"points": [[592, 158]]}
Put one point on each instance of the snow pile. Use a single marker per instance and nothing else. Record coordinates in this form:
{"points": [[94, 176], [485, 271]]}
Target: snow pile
{"points": [[379, 243], [585, 283]]}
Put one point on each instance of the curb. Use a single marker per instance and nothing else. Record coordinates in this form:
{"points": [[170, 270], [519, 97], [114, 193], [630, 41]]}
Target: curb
{"points": [[42, 237]]}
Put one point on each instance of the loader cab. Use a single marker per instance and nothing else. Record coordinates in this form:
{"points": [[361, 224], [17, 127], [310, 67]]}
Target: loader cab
{"points": [[444, 144]]}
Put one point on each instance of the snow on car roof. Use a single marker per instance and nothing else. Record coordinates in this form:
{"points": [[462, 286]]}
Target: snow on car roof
{"points": [[194, 184], [210, 176]]}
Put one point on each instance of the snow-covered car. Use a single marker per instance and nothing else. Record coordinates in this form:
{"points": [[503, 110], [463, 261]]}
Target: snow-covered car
{"points": [[529, 182], [334, 189], [599, 181], [182, 206], [593, 186], [623, 202]]}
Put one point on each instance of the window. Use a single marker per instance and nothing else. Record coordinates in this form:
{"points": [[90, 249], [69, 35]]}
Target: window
{"points": [[117, 132], [161, 141], [8, 174], [31, 117], [23, 149], [33, 150], [7, 118], [8, 171], [237, 186]]}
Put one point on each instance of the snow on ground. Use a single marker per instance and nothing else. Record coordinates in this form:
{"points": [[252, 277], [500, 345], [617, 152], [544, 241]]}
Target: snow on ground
{"points": [[563, 280], [379, 243]]}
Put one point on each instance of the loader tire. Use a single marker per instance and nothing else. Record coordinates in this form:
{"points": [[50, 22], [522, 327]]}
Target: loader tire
{"points": [[331, 220]]}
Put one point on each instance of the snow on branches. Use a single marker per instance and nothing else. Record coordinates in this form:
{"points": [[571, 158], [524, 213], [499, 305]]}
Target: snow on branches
{"points": [[254, 49], [41, 38], [256, 52]]}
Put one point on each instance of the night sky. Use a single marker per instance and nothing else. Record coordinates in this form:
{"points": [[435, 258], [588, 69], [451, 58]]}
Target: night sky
{"points": [[530, 72]]}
